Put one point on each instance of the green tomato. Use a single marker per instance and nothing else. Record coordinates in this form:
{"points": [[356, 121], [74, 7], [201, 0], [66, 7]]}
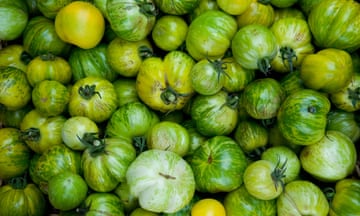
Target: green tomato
{"points": [[14, 17], [346, 198], [176, 7]]}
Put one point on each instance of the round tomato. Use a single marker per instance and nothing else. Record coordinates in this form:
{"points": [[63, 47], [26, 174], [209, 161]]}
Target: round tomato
{"points": [[254, 46], [209, 35], [208, 206], [348, 98], [257, 13], [81, 24], [93, 97], [14, 16], [11, 55], [292, 82], [102, 204], [15, 90], [131, 20], [345, 201], [50, 8], [164, 83], [302, 197], [286, 12], [264, 179], [335, 68], [48, 67], [344, 122], [196, 139], [203, 5], [126, 91], [176, 7], [169, 32]]}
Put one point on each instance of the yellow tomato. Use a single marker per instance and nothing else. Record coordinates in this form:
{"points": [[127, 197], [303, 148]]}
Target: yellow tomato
{"points": [[208, 207], [81, 24]]}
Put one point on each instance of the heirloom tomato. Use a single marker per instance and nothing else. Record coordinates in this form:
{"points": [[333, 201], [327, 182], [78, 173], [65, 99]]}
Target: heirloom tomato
{"points": [[209, 34], [169, 32], [262, 98], [257, 13], [215, 114], [264, 179], [14, 17], [335, 24], [162, 181], [210, 163], [316, 161], [15, 90], [48, 67], [13, 118], [254, 46], [50, 8], [196, 139], [20, 197], [126, 91], [239, 202], [307, 5], [105, 162], [164, 83], [294, 43], [67, 190], [346, 200], [38, 30], [287, 12], [208, 206], [302, 197], [131, 20], [348, 98], [328, 70], [130, 202], [93, 97], [176, 7], [14, 154], [169, 136], [80, 23], [41, 132], [76, 129], [50, 97], [203, 5], [102, 204], [125, 57], [11, 55], [91, 62], [302, 117], [234, 7], [292, 82], [344, 122]]}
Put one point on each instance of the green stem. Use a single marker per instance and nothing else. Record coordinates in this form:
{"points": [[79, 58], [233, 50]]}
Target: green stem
{"points": [[25, 57], [145, 52], [140, 144], [264, 65], [354, 95], [147, 8], [31, 134], [232, 101], [287, 55], [18, 182], [278, 174], [88, 91], [329, 193]]}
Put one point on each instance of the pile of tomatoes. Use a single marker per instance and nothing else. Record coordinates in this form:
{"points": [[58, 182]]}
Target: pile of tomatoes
{"points": [[179, 107]]}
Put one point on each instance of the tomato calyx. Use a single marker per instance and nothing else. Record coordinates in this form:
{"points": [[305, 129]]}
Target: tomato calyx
{"points": [[166, 176], [88, 91], [170, 95], [287, 55], [354, 95], [147, 8], [139, 143], [278, 174], [18, 182], [329, 193], [232, 101], [219, 67], [30, 134], [264, 65], [48, 57], [145, 52], [95, 144], [25, 57]]}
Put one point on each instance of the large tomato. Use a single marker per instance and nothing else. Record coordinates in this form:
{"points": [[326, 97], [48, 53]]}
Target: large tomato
{"points": [[254, 46], [91, 62], [210, 163], [80, 23], [105, 162], [41, 132], [15, 90], [346, 200], [258, 12], [302, 117], [164, 83], [14, 154], [93, 97], [176, 7], [14, 16], [209, 34], [20, 197], [131, 20], [215, 114], [294, 41], [334, 24], [162, 180], [302, 197], [48, 67], [239, 202], [335, 66]]}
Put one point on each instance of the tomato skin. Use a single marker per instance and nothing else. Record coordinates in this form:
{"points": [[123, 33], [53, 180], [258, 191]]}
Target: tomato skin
{"points": [[292, 82], [302, 117], [48, 67], [239, 200], [15, 90], [203, 5], [283, 3], [236, 77], [13, 118], [91, 62], [81, 24], [314, 158], [11, 56], [126, 91], [14, 18], [40, 29], [176, 7], [14, 154], [50, 8], [293, 12], [208, 206], [346, 198], [103, 203], [347, 98], [234, 7], [93, 97], [210, 165], [344, 122], [131, 20], [302, 197], [209, 35], [258, 13], [335, 66], [164, 83]]}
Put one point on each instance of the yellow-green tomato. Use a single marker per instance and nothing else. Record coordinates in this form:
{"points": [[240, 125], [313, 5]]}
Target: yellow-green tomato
{"points": [[169, 32], [234, 7], [169, 136]]}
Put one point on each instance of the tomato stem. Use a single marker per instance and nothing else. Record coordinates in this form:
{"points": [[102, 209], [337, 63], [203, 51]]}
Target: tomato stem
{"points": [[30, 134], [329, 193], [145, 52], [95, 144], [264, 65], [287, 55], [18, 182], [232, 101], [219, 67], [88, 91], [25, 57], [169, 95], [278, 174], [140, 144], [354, 95], [147, 8]]}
